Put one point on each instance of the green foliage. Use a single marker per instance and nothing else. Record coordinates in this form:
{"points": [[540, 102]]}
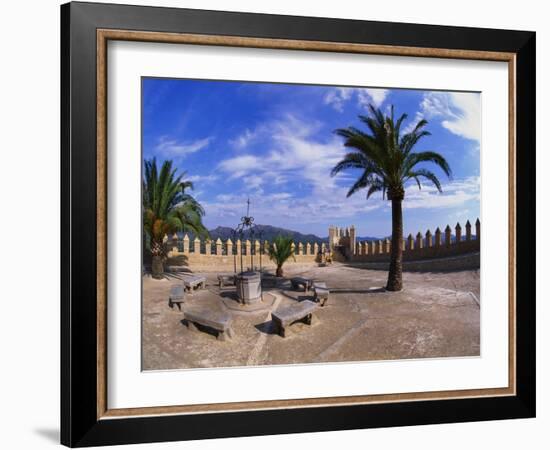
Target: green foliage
{"points": [[280, 250], [167, 207], [386, 156]]}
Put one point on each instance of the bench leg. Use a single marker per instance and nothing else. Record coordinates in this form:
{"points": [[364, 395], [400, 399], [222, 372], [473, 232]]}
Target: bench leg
{"points": [[278, 328], [324, 301], [179, 305], [192, 326], [307, 319], [225, 335]]}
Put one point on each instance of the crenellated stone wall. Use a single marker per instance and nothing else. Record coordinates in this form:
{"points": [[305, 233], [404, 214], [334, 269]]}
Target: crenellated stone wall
{"points": [[207, 255], [426, 245]]}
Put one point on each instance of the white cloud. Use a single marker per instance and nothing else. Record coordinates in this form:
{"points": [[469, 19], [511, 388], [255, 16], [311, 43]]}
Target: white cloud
{"points": [[295, 154], [202, 178], [455, 193], [239, 166], [458, 112], [338, 97], [374, 96], [329, 204], [244, 139], [253, 181], [169, 148]]}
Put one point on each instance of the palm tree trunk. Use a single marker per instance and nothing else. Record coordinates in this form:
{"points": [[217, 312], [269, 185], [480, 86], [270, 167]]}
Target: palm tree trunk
{"points": [[395, 275], [157, 264], [279, 272], [157, 267]]}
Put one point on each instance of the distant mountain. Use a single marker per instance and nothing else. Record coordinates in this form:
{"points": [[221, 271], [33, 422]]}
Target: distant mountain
{"points": [[368, 238], [268, 233]]}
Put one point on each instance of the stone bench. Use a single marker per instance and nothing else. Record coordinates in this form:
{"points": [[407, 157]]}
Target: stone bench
{"points": [[298, 282], [217, 320], [177, 296], [226, 280], [194, 282], [297, 312], [320, 293]]}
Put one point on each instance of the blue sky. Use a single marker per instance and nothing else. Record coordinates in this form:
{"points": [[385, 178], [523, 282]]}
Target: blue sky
{"points": [[275, 143]]}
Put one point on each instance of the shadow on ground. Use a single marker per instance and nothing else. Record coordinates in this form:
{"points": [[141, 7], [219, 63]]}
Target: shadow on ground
{"points": [[50, 434]]}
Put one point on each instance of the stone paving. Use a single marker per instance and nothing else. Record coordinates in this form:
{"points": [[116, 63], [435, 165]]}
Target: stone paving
{"points": [[436, 315]]}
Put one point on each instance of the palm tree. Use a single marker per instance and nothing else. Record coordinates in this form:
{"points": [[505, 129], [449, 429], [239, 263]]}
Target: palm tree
{"points": [[385, 157], [167, 208], [279, 252]]}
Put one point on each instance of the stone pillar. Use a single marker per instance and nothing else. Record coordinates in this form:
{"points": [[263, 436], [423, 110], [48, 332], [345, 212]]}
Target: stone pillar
{"points": [[410, 242], [315, 248], [248, 247], [429, 242], [308, 248], [175, 248], [208, 247], [239, 247], [186, 244], [365, 249], [219, 250], [358, 248], [352, 239], [478, 230], [229, 244], [387, 246], [323, 247], [448, 236], [293, 248], [300, 248], [165, 241], [419, 242], [379, 247], [458, 233], [197, 245], [437, 237], [372, 247], [257, 247], [468, 231], [331, 236]]}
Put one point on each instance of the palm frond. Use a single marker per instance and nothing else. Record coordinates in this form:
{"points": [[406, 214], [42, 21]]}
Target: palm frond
{"points": [[384, 155], [425, 174], [167, 208]]}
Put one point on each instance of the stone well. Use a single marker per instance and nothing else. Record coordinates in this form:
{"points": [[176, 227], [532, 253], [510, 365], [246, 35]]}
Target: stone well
{"points": [[248, 286]]}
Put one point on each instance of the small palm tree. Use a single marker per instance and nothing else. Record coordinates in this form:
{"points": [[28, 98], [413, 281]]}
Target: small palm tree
{"points": [[280, 251], [167, 208], [385, 157]]}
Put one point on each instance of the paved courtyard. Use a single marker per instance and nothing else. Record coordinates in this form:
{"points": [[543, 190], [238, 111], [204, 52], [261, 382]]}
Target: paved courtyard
{"points": [[436, 315]]}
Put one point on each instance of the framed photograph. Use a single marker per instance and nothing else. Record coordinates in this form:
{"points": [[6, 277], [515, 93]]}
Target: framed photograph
{"points": [[277, 224]]}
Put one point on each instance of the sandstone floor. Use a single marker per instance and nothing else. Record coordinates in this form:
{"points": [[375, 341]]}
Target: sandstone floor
{"points": [[436, 315]]}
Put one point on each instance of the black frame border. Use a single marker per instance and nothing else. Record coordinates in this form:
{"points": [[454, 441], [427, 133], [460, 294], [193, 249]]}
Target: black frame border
{"points": [[79, 423]]}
